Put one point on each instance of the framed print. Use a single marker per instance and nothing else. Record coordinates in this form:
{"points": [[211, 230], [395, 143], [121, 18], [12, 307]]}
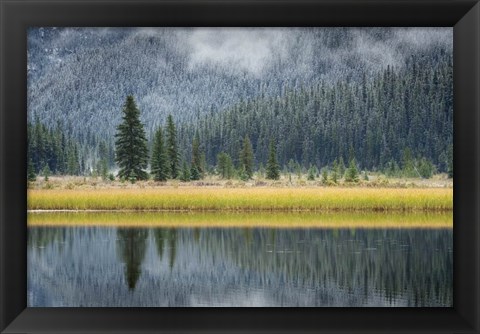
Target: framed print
{"points": [[240, 166]]}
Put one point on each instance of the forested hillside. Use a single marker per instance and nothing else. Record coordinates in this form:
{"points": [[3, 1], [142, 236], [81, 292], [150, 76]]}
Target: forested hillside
{"points": [[322, 95], [377, 118]]}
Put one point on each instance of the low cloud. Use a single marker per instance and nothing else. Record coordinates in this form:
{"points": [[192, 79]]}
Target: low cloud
{"points": [[250, 50]]}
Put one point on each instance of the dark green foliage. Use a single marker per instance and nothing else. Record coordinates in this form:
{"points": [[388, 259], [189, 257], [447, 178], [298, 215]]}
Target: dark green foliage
{"points": [[351, 174], [172, 148], [425, 168], [450, 161], [377, 118], [225, 166], [198, 159], [131, 153], [52, 147], [159, 164], [73, 167], [273, 168], [311, 173], [243, 175], [111, 177], [194, 173], [102, 169], [325, 176], [392, 169], [46, 172], [335, 172], [203, 169], [408, 164], [246, 159], [341, 168], [261, 170], [185, 175], [389, 119], [31, 176]]}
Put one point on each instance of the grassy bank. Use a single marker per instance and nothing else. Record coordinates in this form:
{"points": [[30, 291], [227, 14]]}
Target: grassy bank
{"points": [[242, 219], [238, 199]]}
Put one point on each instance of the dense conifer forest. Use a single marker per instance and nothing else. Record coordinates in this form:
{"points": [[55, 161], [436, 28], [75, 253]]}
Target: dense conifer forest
{"points": [[299, 114]]}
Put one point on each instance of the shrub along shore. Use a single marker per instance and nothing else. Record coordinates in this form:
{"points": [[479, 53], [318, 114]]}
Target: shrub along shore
{"points": [[244, 199]]}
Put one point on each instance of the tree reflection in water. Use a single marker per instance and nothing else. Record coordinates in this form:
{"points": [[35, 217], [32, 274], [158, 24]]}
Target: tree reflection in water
{"points": [[132, 244], [78, 266]]}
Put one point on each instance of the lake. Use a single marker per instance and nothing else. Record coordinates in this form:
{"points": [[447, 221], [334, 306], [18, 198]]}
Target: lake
{"points": [[249, 259]]}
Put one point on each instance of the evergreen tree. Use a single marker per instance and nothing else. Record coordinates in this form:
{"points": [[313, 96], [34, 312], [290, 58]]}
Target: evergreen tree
{"points": [[450, 161], [261, 170], [391, 168], [159, 164], [273, 168], [425, 168], [102, 169], [334, 174], [31, 176], [131, 153], [351, 175], [185, 175], [172, 147], [197, 158], [72, 160], [194, 173], [46, 172], [341, 167], [246, 158], [243, 174], [311, 173], [408, 166], [203, 165], [225, 165], [325, 176]]}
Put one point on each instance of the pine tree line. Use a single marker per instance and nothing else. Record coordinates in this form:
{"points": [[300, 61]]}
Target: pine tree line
{"points": [[399, 122], [397, 110], [51, 150]]}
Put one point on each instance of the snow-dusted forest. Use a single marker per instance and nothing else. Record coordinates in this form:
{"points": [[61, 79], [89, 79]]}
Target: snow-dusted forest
{"points": [[320, 93]]}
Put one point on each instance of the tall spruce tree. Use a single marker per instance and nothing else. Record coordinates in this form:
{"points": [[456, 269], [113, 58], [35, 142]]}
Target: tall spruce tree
{"points": [[351, 175], [450, 161], [172, 148], [185, 175], [131, 153], [246, 158], [225, 165], [197, 168], [273, 168], [159, 165], [31, 176]]}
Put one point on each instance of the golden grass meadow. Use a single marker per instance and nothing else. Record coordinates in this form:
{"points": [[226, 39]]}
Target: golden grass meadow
{"points": [[243, 219], [244, 199]]}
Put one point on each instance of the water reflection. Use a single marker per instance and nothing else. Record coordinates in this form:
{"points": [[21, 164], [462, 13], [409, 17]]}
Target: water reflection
{"points": [[169, 236], [105, 266], [131, 248]]}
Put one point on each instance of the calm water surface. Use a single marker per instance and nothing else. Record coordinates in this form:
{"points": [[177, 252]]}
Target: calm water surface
{"points": [[123, 266]]}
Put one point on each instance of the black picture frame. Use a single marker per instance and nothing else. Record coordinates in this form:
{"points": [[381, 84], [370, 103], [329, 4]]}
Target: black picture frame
{"points": [[16, 16]]}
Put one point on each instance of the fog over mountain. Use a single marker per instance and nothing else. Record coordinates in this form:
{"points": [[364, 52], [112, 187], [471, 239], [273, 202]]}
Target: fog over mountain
{"points": [[81, 76]]}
